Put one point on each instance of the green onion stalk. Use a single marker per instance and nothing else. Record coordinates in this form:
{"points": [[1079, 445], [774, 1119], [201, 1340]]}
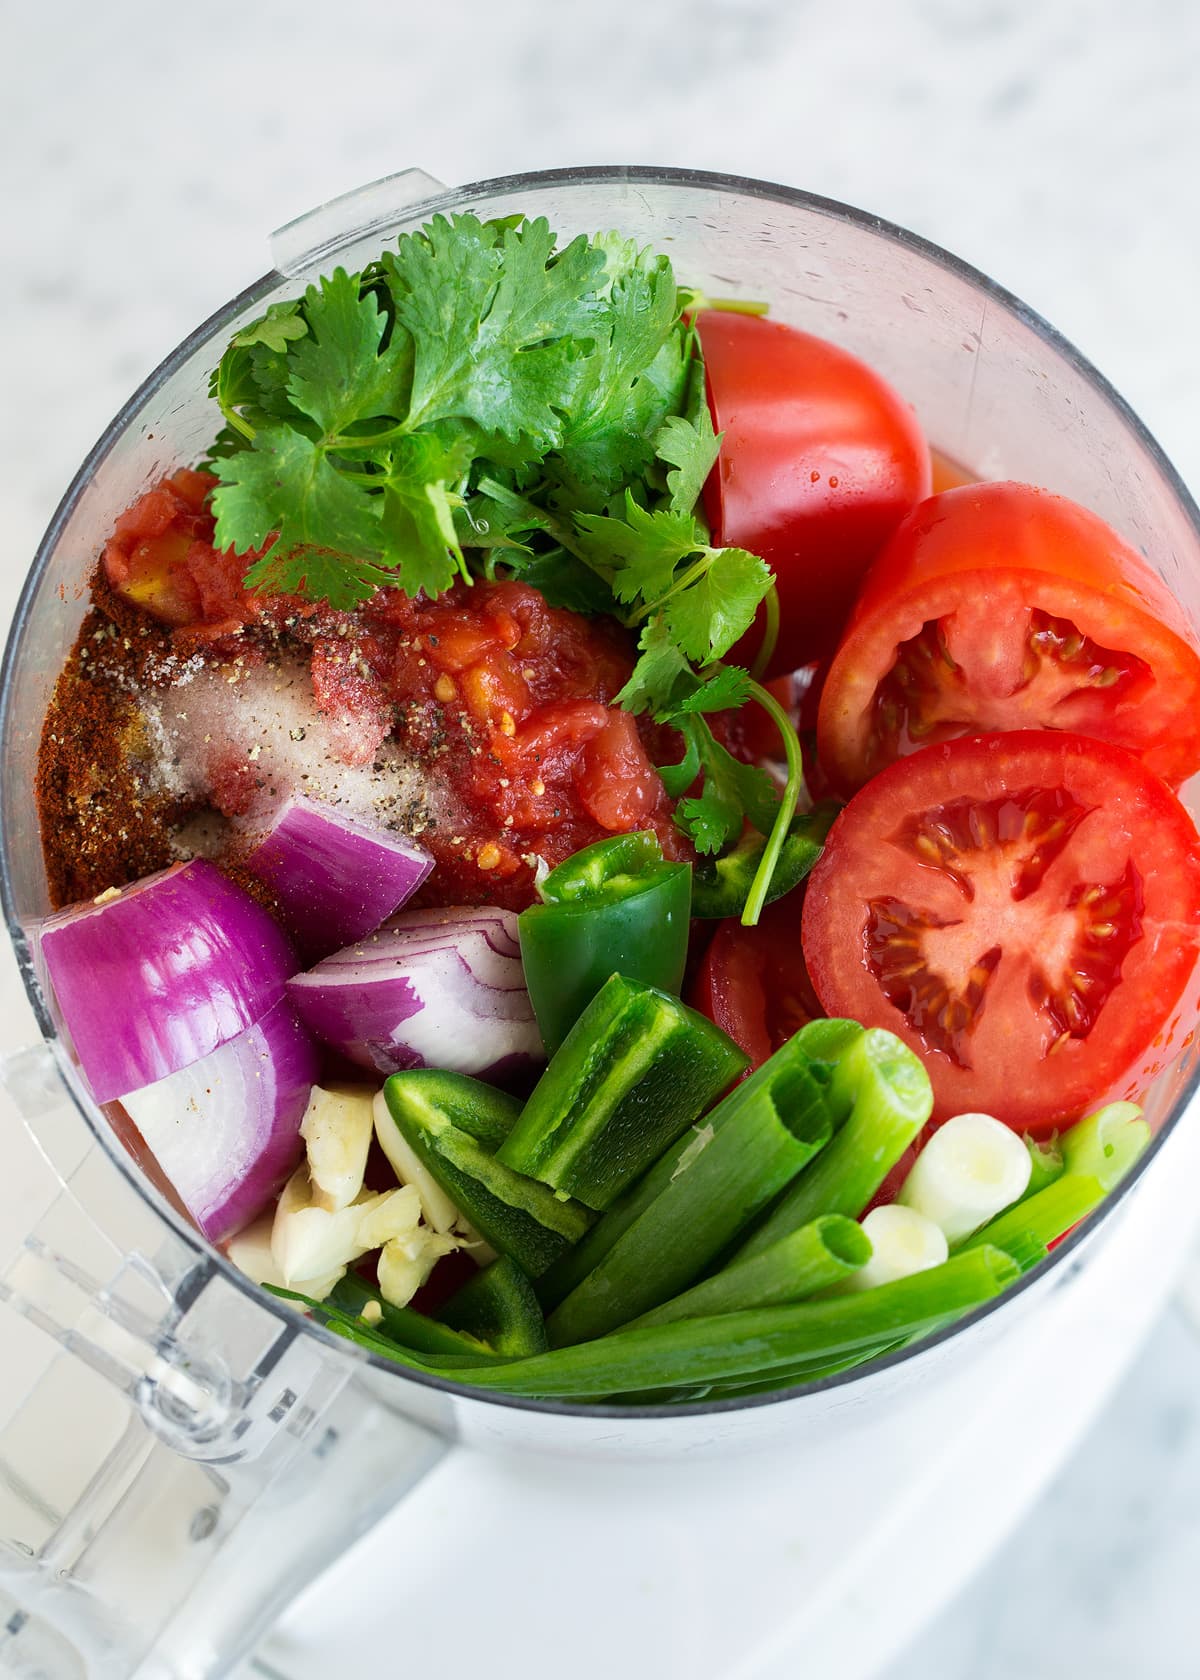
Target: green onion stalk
{"points": [[888, 1097], [756, 1343], [811, 1259]]}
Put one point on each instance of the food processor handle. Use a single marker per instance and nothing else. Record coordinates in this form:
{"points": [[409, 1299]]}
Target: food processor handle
{"points": [[179, 1456], [334, 231]]}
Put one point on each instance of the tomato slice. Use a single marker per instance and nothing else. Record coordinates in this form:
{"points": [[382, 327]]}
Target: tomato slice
{"points": [[821, 460], [1024, 911], [753, 983], [997, 606]]}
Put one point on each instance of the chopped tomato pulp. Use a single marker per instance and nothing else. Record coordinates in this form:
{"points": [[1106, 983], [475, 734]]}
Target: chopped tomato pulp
{"points": [[512, 699], [505, 700], [160, 556], [1023, 910]]}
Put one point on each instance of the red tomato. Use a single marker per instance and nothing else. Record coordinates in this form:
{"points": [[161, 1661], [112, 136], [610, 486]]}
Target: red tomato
{"points": [[161, 557], [997, 606], [1024, 911], [820, 462], [753, 983]]}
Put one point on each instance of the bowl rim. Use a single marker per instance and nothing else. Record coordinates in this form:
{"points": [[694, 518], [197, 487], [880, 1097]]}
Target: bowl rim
{"points": [[1061, 1264]]}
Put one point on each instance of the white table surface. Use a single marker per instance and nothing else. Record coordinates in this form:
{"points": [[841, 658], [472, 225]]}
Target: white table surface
{"points": [[146, 152]]}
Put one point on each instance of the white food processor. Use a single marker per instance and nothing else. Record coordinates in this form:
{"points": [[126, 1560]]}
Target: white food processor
{"points": [[197, 1482]]}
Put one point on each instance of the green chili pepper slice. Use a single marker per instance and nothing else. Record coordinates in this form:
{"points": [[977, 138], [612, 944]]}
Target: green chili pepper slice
{"points": [[633, 1073], [499, 1308], [618, 907], [721, 885], [455, 1124]]}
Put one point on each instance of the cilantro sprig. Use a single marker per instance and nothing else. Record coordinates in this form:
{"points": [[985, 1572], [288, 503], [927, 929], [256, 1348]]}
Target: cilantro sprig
{"points": [[482, 401]]}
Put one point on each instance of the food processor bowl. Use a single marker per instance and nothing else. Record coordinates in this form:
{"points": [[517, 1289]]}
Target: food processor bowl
{"points": [[222, 1449]]}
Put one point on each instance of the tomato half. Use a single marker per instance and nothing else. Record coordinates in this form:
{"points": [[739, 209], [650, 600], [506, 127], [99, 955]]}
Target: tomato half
{"points": [[821, 460], [1024, 911], [997, 606], [753, 983]]}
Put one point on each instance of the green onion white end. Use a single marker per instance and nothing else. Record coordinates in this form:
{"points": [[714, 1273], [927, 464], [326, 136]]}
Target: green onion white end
{"points": [[1107, 1143], [971, 1169], [902, 1242]]}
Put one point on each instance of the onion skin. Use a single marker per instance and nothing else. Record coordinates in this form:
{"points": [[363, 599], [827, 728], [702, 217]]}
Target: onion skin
{"points": [[335, 877], [226, 1129], [162, 974], [440, 989]]}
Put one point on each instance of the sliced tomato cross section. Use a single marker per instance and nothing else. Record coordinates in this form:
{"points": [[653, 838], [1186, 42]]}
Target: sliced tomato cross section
{"points": [[1023, 909], [998, 606]]}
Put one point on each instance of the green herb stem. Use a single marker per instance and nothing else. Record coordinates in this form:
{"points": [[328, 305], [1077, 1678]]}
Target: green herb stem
{"points": [[770, 634], [759, 888], [685, 578], [728, 305]]}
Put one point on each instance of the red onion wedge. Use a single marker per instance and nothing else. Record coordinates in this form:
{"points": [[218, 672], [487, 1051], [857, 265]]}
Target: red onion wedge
{"points": [[226, 1130], [434, 988], [336, 877], [153, 977]]}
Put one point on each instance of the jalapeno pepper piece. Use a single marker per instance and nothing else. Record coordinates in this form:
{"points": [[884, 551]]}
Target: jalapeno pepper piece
{"points": [[499, 1308], [455, 1124], [633, 1073], [721, 885], [618, 907], [403, 1325]]}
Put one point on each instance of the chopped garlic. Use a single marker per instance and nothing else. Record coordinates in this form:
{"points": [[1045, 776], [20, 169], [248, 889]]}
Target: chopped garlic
{"points": [[308, 1241], [439, 1210], [337, 1133], [396, 1213], [250, 1252], [406, 1262], [372, 1313]]}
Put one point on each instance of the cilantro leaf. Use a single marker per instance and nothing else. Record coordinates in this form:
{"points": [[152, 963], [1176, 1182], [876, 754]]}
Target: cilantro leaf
{"points": [[421, 542], [718, 606], [641, 550], [655, 678], [281, 325], [678, 778], [612, 408], [731, 792], [337, 373], [725, 691], [563, 580], [492, 317], [328, 543], [691, 448]]}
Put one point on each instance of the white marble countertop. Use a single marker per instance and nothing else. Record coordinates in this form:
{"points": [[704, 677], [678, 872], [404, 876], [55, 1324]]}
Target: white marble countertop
{"points": [[145, 153]]}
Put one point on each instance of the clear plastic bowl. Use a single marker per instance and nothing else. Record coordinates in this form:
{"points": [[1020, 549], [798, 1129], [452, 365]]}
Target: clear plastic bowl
{"points": [[993, 384]]}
